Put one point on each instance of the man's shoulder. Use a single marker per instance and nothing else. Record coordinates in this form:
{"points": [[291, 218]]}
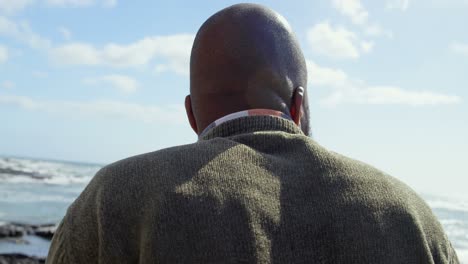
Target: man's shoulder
{"points": [[368, 181], [164, 162], [141, 175], [151, 158]]}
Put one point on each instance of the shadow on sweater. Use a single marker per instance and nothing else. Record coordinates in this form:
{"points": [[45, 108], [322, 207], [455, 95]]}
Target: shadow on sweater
{"points": [[248, 197]]}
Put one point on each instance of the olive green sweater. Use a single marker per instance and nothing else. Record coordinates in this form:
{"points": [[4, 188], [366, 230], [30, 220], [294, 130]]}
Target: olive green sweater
{"points": [[253, 190]]}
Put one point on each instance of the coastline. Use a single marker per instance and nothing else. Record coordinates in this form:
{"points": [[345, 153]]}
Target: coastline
{"points": [[24, 243], [35, 195]]}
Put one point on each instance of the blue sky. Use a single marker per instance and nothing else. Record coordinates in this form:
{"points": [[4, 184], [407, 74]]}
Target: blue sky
{"points": [[100, 80]]}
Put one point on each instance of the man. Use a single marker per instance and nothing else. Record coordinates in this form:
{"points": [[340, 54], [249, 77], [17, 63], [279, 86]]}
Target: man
{"points": [[254, 188]]}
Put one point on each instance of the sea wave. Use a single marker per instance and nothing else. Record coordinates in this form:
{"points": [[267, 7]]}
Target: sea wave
{"points": [[15, 197], [56, 180], [39, 190], [454, 205], [463, 256], [16, 170]]}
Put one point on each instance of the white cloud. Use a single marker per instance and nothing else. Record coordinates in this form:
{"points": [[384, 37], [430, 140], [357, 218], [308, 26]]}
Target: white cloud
{"points": [[322, 76], [336, 42], [76, 54], [170, 113], [446, 3], [357, 13], [459, 48], [7, 85], [40, 74], [22, 32], [397, 4], [109, 3], [66, 33], [123, 83], [347, 90], [13, 6], [377, 30], [172, 51], [179, 66], [387, 95], [3, 54], [81, 3], [20, 101], [367, 46], [71, 3], [352, 9]]}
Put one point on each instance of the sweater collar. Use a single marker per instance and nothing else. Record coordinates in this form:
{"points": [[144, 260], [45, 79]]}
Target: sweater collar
{"points": [[250, 121]]}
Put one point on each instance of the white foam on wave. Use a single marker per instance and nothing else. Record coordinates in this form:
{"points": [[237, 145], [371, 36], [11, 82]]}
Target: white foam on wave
{"points": [[457, 231], [452, 212], [48, 172], [67, 180], [18, 179], [451, 222], [60, 180], [455, 205], [462, 255], [28, 197]]}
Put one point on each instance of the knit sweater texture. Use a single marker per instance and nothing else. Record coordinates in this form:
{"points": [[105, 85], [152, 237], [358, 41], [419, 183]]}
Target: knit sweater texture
{"points": [[252, 190]]}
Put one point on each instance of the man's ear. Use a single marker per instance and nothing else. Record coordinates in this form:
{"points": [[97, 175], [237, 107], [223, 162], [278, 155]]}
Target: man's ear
{"points": [[191, 117], [296, 105]]}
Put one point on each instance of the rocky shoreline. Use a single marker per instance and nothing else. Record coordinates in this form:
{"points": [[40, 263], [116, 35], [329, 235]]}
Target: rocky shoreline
{"points": [[20, 259], [17, 233]]}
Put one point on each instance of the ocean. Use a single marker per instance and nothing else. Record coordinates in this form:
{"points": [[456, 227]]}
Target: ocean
{"points": [[34, 191]]}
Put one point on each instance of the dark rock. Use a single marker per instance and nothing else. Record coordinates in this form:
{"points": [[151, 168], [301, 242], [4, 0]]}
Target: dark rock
{"points": [[10, 230], [19, 259], [46, 232], [14, 230]]}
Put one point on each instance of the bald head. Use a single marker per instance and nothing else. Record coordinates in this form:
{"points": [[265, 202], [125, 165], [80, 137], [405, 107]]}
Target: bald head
{"points": [[243, 57]]}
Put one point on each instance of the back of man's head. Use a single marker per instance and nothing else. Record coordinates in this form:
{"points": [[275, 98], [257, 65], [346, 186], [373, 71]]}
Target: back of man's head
{"points": [[243, 57]]}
